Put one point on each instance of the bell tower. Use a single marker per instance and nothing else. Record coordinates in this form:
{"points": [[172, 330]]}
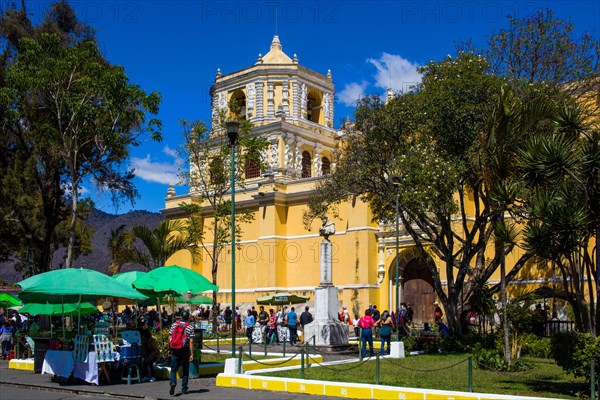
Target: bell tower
{"points": [[290, 105]]}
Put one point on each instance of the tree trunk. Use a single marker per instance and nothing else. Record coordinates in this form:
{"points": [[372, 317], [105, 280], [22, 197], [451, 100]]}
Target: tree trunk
{"points": [[597, 267], [505, 326], [71, 245]]}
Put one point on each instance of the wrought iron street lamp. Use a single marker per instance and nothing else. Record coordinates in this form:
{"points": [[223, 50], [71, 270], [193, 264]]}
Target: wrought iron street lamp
{"points": [[396, 180], [232, 133]]}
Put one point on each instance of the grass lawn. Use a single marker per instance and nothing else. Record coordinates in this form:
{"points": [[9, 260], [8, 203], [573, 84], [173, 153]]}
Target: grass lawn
{"points": [[449, 372]]}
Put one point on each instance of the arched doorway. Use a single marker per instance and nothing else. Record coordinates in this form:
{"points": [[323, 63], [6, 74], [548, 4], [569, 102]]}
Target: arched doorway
{"points": [[416, 285], [417, 290]]}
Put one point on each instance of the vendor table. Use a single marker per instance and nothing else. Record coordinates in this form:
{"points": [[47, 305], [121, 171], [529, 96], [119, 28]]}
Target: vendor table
{"points": [[61, 363]]}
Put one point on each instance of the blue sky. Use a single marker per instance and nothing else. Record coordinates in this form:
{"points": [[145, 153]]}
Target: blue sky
{"points": [[175, 48]]}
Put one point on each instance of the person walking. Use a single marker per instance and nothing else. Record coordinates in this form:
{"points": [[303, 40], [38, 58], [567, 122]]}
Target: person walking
{"points": [[7, 333], [249, 321], [151, 355], [181, 343], [386, 325], [366, 324], [272, 329], [291, 319]]}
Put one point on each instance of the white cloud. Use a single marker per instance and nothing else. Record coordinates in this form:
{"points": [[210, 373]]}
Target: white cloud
{"points": [[170, 152], [352, 92], [152, 171], [395, 72]]}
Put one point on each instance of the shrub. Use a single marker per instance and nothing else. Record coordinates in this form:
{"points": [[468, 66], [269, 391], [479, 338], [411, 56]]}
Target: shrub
{"points": [[493, 360], [472, 341], [535, 346], [574, 351]]}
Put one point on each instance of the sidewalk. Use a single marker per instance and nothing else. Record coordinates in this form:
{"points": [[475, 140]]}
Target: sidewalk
{"points": [[201, 388]]}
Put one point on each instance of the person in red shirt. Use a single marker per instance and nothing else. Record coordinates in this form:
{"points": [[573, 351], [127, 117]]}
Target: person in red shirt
{"points": [[272, 330], [366, 324]]}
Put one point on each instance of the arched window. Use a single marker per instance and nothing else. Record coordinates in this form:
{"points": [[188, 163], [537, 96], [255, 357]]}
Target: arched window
{"points": [[238, 103], [306, 164], [325, 166], [251, 167]]}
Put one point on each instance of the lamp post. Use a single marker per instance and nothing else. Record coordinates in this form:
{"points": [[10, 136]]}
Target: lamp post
{"points": [[396, 180], [232, 134]]}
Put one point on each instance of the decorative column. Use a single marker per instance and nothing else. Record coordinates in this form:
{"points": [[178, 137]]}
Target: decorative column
{"points": [[270, 100], [303, 100], [289, 156], [318, 162], [381, 265], [274, 153], [258, 86], [328, 109], [326, 327], [285, 90], [250, 94], [298, 159], [296, 99]]}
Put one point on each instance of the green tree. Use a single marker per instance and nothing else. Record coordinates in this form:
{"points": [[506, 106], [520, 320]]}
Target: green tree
{"points": [[453, 144], [32, 195], [91, 113], [207, 152], [541, 48], [562, 172]]}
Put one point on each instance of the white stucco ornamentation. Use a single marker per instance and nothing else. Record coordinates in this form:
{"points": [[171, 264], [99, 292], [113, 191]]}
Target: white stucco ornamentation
{"points": [[285, 90], [289, 156], [298, 160], [258, 86], [250, 99], [303, 100], [270, 99], [318, 164], [328, 109], [274, 153], [223, 101]]}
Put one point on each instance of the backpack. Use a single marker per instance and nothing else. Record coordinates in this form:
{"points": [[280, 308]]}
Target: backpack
{"points": [[178, 337]]}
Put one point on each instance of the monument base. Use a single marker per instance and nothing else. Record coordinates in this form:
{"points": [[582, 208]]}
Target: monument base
{"points": [[326, 333]]}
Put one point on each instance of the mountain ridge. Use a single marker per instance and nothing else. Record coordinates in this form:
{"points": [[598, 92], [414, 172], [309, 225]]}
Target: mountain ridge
{"points": [[99, 258]]}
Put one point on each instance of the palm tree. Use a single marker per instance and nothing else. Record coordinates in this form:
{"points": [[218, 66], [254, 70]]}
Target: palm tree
{"points": [[116, 245], [152, 247], [510, 120], [563, 171]]}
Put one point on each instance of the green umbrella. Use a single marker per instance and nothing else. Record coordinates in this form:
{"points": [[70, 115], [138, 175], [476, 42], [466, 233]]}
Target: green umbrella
{"points": [[6, 300], [282, 298], [198, 299], [72, 285], [174, 280], [57, 309], [128, 277]]}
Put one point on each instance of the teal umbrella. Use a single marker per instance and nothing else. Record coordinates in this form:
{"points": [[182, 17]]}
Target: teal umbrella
{"points": [[198, 299], [6, 300], [128, 277], [72, 285], [174, 280], [58, 309], [281, 299]]}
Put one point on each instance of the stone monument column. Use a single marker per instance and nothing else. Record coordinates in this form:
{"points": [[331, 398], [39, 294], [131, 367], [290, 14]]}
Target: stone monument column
{"points": [[326, 327]]}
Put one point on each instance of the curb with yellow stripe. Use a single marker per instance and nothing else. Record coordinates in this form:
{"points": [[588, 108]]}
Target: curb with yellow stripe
{"points": [[352, 390]]}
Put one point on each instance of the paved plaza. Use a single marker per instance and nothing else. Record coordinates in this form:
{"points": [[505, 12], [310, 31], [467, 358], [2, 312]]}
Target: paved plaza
{"points": [[17, 384]]}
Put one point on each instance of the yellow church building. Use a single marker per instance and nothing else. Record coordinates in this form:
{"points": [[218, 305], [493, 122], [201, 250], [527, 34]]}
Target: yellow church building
{"points": [[292, 107]]}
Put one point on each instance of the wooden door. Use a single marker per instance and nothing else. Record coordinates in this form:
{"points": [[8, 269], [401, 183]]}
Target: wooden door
{"points": [[417, 291]]}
